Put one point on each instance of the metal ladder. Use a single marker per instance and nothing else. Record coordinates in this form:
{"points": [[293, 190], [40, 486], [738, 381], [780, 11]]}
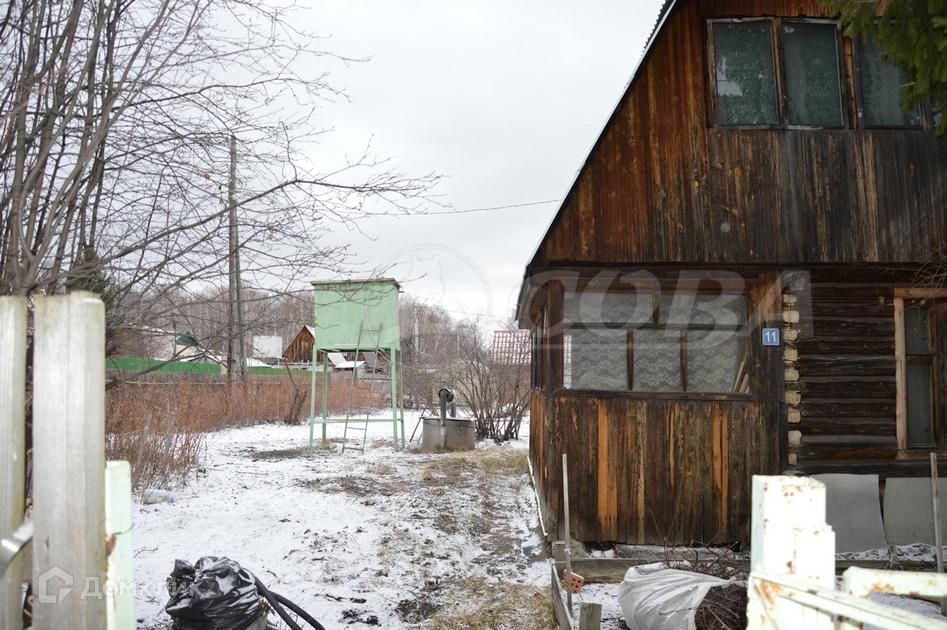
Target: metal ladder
{"points": [[360, 424]]}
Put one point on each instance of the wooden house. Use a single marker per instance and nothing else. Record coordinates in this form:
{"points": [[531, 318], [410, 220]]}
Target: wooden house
{"points": [[299, 349], [734, 283]]}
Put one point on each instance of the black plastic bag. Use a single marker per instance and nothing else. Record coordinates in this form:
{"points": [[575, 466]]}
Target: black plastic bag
{"points": [[213, 594]]}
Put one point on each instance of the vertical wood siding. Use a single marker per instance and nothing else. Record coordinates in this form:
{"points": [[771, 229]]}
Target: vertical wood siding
{"points": [[662, 184], [649, 471]]}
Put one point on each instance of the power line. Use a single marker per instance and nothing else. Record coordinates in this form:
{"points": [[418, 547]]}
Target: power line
{"points": [[486, 209]]}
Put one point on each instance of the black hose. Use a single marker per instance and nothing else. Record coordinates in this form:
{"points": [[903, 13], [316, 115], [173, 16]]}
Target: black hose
{"points": [[299, 611], [276, 601]]}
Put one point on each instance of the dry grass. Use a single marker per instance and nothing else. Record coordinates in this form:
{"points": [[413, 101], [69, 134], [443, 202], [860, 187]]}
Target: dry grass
{"points": [[478, 604], [489, 462], [159, 424]]}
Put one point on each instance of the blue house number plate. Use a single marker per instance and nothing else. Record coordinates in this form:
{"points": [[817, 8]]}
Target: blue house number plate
{"points": [[770, 336]]}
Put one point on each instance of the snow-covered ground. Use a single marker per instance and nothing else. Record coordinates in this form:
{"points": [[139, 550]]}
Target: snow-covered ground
{"points": [[387, 538]]}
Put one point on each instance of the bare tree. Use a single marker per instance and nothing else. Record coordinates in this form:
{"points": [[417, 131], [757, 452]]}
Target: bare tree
{"points": [[114, 150], [494, 389], [431, 341]]}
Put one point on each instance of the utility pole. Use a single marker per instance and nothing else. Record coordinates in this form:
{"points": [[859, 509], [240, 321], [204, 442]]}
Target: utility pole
{"points": [[417, 336], [235, 310]]}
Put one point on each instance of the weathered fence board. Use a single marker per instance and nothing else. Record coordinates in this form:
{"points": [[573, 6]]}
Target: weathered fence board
{"points": [[792, 568], [12, 447], [120, 588], [69, 563]]}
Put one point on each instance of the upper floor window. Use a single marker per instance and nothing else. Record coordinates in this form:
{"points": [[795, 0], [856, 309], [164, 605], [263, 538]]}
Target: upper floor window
{"points": [[775, 72], [751, 90], [745, 73], [879, 85], [811, 69]]}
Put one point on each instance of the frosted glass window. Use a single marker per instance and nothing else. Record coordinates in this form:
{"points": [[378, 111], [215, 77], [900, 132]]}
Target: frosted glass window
{"points": [[614, 307], [812, 84], [920, 407], [657, 361], [746, 76], [596, 359], [716, 360], [880, 81]]}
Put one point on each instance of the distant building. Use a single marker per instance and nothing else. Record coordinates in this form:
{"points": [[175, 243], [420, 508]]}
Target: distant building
{"points": [[299, 349], [510, 347], [267, 348]]}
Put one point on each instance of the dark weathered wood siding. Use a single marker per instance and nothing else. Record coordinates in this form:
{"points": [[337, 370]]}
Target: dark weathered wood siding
{"points": [[664, 185], [665, 189], [847, 379], [658, 468], [652, 471]]}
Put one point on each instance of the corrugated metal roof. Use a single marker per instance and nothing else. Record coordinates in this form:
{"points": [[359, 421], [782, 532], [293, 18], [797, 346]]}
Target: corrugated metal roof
{"points": [[664, 10]]}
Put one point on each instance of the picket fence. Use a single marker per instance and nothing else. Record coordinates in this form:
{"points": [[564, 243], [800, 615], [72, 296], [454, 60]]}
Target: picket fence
{"points": [[81, 568], [792, 580]]}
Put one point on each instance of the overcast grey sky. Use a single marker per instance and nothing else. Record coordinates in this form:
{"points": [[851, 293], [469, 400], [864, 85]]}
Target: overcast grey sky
{"points": [[502, 98]]}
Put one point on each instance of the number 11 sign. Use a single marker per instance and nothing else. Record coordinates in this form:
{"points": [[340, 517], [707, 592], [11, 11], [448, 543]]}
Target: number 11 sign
{"points": [[770, 336]]}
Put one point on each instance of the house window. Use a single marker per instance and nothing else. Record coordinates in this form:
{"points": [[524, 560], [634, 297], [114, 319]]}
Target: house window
{"points": [[919, 353], [745, 73], [920, 372], [750, 92], [811, 71], [641, 341], [880, 84]]}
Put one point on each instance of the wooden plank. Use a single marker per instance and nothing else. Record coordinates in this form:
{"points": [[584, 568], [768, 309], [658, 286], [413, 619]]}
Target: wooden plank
{"points": [[901, 413], [938, 542], [848, 327], [558, 603], [605, 482], [847, 408], [846, 451], [835, 364], [120, 589], [12, 448], [872, 347], [69, 564], [847, 386], [611, 570], [590, 616], [850, 426], [567, 537]]}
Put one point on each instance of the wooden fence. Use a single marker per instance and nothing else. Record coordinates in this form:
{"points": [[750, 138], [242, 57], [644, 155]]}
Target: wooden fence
{"points": [[81, 511], [792, 568]]}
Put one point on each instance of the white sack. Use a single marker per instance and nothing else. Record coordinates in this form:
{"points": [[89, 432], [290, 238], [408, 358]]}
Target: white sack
{"points": [[664, 600]]}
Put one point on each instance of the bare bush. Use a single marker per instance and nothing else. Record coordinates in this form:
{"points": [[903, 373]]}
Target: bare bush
{"points": [[159, 424], [495, 391]]}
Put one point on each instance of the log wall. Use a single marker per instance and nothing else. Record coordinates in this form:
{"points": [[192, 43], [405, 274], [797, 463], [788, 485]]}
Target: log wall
{"points": [[847, 380]]}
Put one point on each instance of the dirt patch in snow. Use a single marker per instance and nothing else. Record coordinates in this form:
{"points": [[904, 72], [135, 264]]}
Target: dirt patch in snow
{"points": [[279, 453], [388, 538]]}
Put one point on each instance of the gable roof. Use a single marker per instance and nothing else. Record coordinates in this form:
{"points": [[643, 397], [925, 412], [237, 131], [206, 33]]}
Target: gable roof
{"points": [[665, 12], [667, 8]]}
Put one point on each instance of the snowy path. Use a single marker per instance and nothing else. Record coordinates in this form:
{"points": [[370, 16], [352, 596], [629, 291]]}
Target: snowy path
{"points": [[388, 538]]}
